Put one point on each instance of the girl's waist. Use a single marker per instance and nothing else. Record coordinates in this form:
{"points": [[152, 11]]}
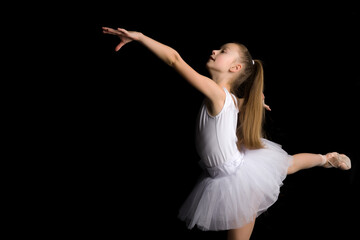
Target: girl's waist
{"points": [[226, 167]]}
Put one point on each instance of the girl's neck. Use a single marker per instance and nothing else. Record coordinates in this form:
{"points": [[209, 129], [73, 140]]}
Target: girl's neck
{"points": [[223, 82]]}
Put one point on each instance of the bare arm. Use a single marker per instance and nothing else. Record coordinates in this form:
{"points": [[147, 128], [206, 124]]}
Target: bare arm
{"points": [[171, 57]]}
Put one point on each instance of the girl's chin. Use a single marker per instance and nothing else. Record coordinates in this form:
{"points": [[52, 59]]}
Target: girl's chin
{"points": [[209, 66]]}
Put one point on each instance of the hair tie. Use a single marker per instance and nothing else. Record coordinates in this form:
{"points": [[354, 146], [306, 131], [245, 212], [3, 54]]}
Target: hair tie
{"points": [[253, 62]]}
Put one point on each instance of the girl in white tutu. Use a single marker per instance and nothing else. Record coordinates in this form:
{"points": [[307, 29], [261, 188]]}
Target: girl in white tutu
{"points": [[243, 172]]}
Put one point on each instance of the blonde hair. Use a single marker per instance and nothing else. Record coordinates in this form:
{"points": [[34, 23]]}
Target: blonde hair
{"points": [[250, 86]]}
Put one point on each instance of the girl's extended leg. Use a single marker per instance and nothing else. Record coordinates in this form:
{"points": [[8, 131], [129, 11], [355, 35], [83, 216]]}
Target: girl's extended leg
{"points": [[304, 161], [242, 233], [309, 160]]}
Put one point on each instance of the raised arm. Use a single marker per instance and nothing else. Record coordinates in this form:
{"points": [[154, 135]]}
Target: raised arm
{"points": [[172, 58]]}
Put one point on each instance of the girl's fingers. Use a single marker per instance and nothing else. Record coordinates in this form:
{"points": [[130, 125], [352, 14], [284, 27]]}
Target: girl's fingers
{"points": [[111, 31], [120, 32], [117, 48], [123, 31], [105, 29]]}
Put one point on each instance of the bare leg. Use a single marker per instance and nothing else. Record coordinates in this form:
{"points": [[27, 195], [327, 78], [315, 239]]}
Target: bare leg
{"points": [[304, 161], [242, 233], [309, 160]]}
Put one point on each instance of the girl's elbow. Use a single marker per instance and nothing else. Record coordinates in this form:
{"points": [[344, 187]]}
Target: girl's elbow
{"points": [[174, 59]]}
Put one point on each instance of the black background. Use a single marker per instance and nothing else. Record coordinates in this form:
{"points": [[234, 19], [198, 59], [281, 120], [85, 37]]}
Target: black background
{"points": [[131, 118]]}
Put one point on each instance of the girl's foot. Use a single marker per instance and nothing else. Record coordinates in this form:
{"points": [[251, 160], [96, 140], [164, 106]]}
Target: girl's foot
{"points": [[336, 160]]}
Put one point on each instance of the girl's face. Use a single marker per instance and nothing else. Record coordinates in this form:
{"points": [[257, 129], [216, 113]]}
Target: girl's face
{"points": [[224, 59]]}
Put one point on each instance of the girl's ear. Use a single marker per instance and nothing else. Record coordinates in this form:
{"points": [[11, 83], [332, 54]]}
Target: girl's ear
{"points": [[235, 68]]}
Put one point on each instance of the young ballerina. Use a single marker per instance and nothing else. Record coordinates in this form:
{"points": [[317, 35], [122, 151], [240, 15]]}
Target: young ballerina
{"points": [[243, 171]]}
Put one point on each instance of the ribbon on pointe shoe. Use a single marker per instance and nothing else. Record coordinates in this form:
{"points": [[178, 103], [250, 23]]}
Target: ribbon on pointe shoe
{"points": [[336, 160]]}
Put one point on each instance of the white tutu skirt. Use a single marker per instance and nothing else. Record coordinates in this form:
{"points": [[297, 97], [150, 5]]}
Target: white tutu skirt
{"points": [[233, 194]]}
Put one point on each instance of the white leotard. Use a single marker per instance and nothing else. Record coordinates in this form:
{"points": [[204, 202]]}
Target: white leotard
{"points": [[216, 135]]}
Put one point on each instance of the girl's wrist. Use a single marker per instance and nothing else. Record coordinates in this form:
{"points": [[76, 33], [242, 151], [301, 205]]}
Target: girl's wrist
{"points": [[140, 37]]}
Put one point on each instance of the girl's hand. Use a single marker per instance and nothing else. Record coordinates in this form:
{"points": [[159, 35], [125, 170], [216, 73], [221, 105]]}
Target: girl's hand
{"points": [[265, 105], [125, 36]]}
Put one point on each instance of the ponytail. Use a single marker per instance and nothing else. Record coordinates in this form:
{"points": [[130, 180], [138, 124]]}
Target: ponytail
{"points": [[251, 115]]}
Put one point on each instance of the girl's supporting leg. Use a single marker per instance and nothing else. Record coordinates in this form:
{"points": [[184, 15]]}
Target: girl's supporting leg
{"points": [[309, 160], [242, 233]]}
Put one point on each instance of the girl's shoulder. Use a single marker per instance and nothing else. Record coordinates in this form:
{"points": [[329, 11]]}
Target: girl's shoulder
{"points": [[231, 98]]}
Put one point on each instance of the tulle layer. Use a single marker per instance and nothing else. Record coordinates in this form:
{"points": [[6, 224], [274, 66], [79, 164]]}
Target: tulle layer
{"points": [[231, 195]]}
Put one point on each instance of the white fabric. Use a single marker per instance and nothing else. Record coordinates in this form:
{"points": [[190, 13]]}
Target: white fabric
{"points": [[216, 136], [236, 185]]}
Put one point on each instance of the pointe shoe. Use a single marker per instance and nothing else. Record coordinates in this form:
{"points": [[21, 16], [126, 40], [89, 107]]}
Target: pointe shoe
{"points": [[337, 160]]}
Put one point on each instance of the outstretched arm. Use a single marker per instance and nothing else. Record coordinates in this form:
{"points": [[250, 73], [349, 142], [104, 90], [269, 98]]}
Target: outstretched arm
{"points": [[162, 51], [171, 57]]}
